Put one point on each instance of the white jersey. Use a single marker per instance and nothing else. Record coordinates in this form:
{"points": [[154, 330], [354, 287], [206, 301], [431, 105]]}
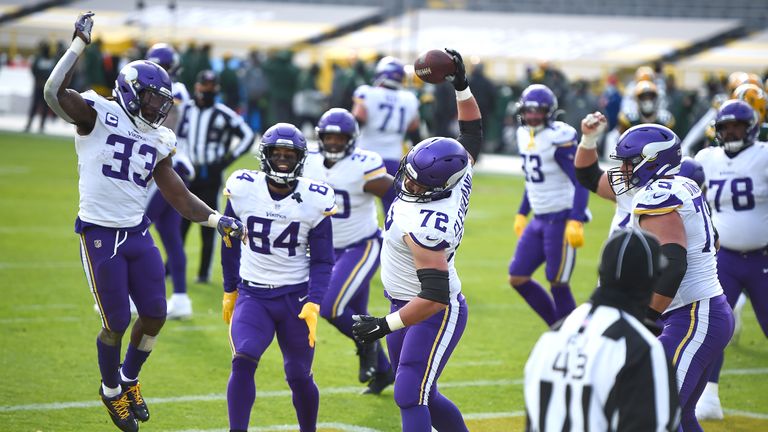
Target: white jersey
{"points": [[389, 112], [179, 92], [623, 214], [278, 231], [737, 192], [356, 218], [115, 163], [683, 195], [437, 225], [549, 188]]}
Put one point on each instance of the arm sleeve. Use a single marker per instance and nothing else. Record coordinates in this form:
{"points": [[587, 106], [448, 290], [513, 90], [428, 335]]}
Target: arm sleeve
{"points": [[564, 156], [471, 136], [241, 130], [230, 258], [321, 259], [525, 205]]}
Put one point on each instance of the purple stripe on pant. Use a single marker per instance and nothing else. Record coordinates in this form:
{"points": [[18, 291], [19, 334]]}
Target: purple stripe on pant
{"points": [[418, 354], [254, 324], [120, 262], [693, 337]]}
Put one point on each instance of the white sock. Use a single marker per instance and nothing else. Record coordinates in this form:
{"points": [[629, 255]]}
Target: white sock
{"points": [[712, 389], [124, 378], [110, 392]]}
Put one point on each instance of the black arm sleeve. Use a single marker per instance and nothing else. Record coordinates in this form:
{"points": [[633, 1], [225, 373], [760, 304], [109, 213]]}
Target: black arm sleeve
{"points": [[672, 275], [434, 285], [471, 136], [589, 176]]}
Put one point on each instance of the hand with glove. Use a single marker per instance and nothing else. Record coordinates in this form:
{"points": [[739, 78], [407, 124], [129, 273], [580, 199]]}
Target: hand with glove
{"points": [[367, 329], [83, 27], [574, 233], [231, 227], [459, 78], [309, 313], [228, 305], [520, 222]]}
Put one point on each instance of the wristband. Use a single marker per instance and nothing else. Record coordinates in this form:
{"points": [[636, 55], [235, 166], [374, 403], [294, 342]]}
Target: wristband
{"points": [[213, 220], [77, 46], [462, 95], [394, 321], [589, 142]]}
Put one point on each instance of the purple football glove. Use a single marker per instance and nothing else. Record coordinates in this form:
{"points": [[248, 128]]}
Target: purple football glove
{"points": [[83, 27], [230, 227]]}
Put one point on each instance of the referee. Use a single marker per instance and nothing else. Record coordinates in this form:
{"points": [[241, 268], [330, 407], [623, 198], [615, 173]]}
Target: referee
{"points": [[205, 133], [602, 370]]}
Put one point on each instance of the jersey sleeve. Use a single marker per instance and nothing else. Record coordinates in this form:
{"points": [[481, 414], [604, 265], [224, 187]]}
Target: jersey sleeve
{"points": [[656, 201], [235, 187], [323, 198], [373, 167], [564, 136], [426, 227], [360, 92], [166, 142]]}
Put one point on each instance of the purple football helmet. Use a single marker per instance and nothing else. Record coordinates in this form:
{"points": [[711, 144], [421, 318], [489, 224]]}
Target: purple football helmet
{"points": [[389, 72], [144, 90], [647, 152], [736, 111], [690, 168], [338, 121], [537, 98], [436, 165], [166, 56], [288, 136]]}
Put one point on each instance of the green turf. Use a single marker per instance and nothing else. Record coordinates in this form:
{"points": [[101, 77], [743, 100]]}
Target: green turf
{"points": [[48, 326]]}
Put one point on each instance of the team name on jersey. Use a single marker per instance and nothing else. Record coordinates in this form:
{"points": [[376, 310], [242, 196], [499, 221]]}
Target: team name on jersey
{"points": [[466, 189]]}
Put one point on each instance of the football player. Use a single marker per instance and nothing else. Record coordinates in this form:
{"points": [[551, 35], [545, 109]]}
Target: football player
{"points": [[423, 229], [276, 284], [386, 113], [698, 322], [646, 110], [738, 196], [167, 220], [357, 177], [558, 203], [121, 147]]}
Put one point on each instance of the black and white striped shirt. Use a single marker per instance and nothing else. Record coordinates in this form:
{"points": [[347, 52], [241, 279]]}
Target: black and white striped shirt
{"points": [[602, 370], [205, 135]]}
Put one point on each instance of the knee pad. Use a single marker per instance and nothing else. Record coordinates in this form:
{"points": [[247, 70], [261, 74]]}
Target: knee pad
{"points": [[110, 337], [407, 390]]}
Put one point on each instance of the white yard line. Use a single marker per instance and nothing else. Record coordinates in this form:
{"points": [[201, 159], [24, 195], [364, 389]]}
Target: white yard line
{"points": [[20, 320]]}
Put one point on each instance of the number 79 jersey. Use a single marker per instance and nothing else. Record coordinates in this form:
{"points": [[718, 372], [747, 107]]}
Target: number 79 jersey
{"points": [[436, 225], [737, 192], [683, 195], [278, 230], [115, 163]]}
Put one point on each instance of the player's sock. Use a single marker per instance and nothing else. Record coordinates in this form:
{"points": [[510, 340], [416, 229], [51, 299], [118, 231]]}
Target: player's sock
{"points": [[538, 299], [564, 301], [383, 364], [306, 401], [416, 419], [445, 414], [110, 392], [109, 365], [241, 393], [134, 359]]}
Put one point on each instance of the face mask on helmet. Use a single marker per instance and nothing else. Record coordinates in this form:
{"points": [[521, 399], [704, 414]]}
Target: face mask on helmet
{"points": [[335, 146], [647, 152], [535, 117], [154, 106], [731, 135], [143, 89], [736, 126], [282, 164]]}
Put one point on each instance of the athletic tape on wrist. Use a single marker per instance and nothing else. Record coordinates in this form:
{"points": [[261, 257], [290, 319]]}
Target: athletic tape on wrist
{"points": [[394, 321], [463, 94]]}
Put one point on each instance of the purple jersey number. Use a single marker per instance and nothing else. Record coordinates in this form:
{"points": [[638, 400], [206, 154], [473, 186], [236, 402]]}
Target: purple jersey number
{"points": [[260, 228], [124, 156]]}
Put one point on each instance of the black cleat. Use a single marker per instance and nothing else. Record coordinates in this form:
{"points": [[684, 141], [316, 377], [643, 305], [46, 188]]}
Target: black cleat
{"points": [[138, 406], [369, 359], [379, 382], [119, 408]]}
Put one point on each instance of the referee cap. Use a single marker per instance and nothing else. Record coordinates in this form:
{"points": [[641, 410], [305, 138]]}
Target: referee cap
{"points": [[631, 260], [207, 76]]}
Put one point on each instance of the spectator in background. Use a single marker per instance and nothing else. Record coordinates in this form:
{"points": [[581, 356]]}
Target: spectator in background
{"points": [[42, 66], [230, 83], [187, 72], [95, 76], [445, 112], [680, 104], [610, 101], [283, 77], [485, 95], [308, 102], [580, 102], [343, 86], [256, 87]]}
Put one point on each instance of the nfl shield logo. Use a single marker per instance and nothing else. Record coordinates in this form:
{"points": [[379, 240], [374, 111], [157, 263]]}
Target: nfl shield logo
{"points": [[97, 243]]}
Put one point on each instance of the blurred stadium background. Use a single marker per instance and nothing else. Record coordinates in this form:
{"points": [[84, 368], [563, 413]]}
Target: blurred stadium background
{"points": [[306, 56]]}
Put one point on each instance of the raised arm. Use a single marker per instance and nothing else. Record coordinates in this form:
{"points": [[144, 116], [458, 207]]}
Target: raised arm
{"points": [[67, 103], [588, 172]]}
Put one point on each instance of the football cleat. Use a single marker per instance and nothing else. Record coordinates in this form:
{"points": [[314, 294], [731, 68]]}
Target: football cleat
{"points": [[179, 307], [369, 359], [119, 408], [379, 382], [132, 390]]}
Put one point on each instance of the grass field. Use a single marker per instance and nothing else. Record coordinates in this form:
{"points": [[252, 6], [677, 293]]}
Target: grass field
{"points": [[48, 370]]}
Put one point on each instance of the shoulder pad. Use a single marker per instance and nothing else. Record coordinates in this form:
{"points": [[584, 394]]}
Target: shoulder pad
{"points": [[563, 134], [361, 91], [656, 199], [239, 181], [318, 194]]}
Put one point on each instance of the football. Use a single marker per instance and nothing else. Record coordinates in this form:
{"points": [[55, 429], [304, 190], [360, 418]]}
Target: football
{"points": [[433, 66]]}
